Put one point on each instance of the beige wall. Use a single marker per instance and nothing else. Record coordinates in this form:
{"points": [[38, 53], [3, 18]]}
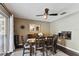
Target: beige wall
{"points": [[68, 23], [45, 26]]}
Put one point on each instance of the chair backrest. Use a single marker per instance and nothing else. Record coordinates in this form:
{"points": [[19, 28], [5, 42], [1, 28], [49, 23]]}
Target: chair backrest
{"points": [[39, 42], [49, 40], [24, 40], [55, 38]]}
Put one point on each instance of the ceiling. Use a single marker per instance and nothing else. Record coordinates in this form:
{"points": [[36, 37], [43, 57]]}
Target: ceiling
{"points": [[1, 16], [30, 10]]}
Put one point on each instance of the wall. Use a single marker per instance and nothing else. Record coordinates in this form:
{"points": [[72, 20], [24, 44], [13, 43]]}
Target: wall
{"points": [[45, 26], [68, 23]]}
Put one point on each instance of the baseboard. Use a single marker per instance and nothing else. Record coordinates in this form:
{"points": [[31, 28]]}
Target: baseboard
{"points": [[68, 50]]}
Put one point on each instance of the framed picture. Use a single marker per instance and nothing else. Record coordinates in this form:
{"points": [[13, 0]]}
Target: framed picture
{"points": [[37, 27], [66, 34], [34, 27], [22, 26]]}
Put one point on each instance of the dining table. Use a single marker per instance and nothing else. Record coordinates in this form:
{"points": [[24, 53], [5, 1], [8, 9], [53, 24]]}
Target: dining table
{"points": [[31, 42]]}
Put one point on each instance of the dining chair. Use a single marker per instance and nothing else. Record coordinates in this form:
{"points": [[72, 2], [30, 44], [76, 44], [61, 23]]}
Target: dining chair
{"points": [[49, 44], [55, 39], [27, 46], [39, 45]]}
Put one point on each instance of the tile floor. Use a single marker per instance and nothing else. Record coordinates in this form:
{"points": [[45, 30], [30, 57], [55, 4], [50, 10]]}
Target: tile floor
{"points": [[19, 52]]}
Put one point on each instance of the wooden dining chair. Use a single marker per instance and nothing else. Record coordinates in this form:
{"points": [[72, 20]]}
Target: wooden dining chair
{"points": [[49, 44], [39, 44], [28, 47], [55, 39]]}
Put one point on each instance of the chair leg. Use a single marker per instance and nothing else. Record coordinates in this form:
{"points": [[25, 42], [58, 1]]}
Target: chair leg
{"points": [[52, 51], [43, 52], [23, 51], [35, 52], [30, 52], [46, 52], [55, 50]]}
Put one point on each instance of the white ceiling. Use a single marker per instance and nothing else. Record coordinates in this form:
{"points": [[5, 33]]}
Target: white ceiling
{"points": [[1, 16], [30, 10]]}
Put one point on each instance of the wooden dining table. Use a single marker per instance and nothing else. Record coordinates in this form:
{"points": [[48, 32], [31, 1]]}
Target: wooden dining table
{"points": [[31, 41]]}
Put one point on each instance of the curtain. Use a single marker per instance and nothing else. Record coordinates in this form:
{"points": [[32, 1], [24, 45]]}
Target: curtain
{"points": [[7, 44], [11, 40]]}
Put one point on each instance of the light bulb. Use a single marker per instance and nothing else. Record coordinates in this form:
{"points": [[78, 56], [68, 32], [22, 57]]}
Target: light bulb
{"points": [[45, 16]]}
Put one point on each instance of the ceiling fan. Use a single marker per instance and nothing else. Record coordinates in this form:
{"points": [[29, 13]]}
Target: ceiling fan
{"points": [[46, 13]]}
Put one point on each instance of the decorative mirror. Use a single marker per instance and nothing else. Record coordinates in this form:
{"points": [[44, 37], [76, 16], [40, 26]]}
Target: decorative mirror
{"points": [[22, 26]]}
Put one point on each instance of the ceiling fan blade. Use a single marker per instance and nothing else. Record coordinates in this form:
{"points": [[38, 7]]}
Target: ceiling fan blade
{"points": [[63, 13], [55, 14], [39, 15]]}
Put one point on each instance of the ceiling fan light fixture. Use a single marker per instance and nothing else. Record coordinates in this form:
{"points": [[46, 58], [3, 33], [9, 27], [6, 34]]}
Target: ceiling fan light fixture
{"points": [[45, 16]]}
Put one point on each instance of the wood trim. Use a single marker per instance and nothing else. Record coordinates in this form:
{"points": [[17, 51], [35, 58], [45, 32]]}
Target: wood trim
{"points": [[4, 6], [67, 51]]}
